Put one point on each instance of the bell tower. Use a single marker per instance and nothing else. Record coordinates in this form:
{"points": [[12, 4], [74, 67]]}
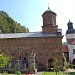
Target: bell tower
{"points": [[49, 22]]}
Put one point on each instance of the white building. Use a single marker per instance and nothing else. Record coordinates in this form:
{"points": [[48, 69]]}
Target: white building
{"points": [[70, 37]]}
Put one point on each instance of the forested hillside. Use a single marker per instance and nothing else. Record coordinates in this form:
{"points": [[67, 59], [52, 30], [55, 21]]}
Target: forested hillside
{"points": [[8, 25]]}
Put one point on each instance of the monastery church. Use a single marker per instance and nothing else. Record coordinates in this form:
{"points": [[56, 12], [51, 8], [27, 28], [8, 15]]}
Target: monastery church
{"points": [[46, 45]]}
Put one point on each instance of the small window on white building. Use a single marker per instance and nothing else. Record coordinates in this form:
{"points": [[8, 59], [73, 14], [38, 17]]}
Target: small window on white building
{"points": [[73, 51]]}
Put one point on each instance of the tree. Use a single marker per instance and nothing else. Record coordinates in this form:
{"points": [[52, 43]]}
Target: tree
{"points": [[65, 64], [3, 59], [56, 68], [9, 25]]}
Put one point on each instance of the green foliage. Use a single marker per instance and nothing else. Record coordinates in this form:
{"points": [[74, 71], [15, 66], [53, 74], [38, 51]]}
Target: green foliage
{"points": [[52, 73], [65, 64], [56, 67], [55, 63], [3, 59], [70, 65], [4, 73], [17, 73], [71, 73], [8, 25]]}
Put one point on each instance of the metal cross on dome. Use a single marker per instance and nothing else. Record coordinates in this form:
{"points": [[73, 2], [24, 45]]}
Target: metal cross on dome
{"points": [[48, 6]]}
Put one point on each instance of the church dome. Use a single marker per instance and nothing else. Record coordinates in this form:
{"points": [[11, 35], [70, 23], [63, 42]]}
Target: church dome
{"points": [[70, 31], [49, 11]]}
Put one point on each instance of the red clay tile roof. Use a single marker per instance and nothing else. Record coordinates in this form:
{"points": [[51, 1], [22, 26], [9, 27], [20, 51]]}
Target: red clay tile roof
{"points": [[64, 48], [73, 42]]}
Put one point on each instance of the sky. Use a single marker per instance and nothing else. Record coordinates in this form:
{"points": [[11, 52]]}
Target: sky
{"points": [[29, 12]]}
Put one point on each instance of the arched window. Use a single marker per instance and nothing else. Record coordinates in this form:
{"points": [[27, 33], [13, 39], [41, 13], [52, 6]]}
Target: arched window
{"points": [[73, 61]]}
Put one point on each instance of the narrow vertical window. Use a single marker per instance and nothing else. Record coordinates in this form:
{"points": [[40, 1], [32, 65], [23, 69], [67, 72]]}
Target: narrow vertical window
{"points": [[73, 51]]}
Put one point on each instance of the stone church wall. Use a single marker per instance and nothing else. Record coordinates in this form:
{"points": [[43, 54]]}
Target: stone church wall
{"points": [[45, 48]]}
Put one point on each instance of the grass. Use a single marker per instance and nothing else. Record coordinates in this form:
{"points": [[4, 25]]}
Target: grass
{"points": [[47, 73], [10, 74], [52, 73], [13, 74], [60, 73]]}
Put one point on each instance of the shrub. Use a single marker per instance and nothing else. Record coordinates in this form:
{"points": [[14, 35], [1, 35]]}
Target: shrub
{"points": [[4, 73], [71, 73], [17, 73]]}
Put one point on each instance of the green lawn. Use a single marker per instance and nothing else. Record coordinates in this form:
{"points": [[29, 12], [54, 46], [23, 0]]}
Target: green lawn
{"points": [[48, 73], [10, 74], [60, 73], [52, 73], [45, 73]]}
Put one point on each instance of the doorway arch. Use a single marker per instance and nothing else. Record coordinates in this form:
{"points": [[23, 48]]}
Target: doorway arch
{"points": [[50, 64], [73, 63]]}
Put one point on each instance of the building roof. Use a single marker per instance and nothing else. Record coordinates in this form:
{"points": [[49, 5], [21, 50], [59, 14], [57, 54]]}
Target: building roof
{"points": [[64, 48], [73, 42], [49, 11], [24, 35], [70, 31]]}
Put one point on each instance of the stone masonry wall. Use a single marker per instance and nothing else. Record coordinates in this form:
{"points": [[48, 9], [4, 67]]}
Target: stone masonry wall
{"points": [[49, 29], [44, 48]]}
